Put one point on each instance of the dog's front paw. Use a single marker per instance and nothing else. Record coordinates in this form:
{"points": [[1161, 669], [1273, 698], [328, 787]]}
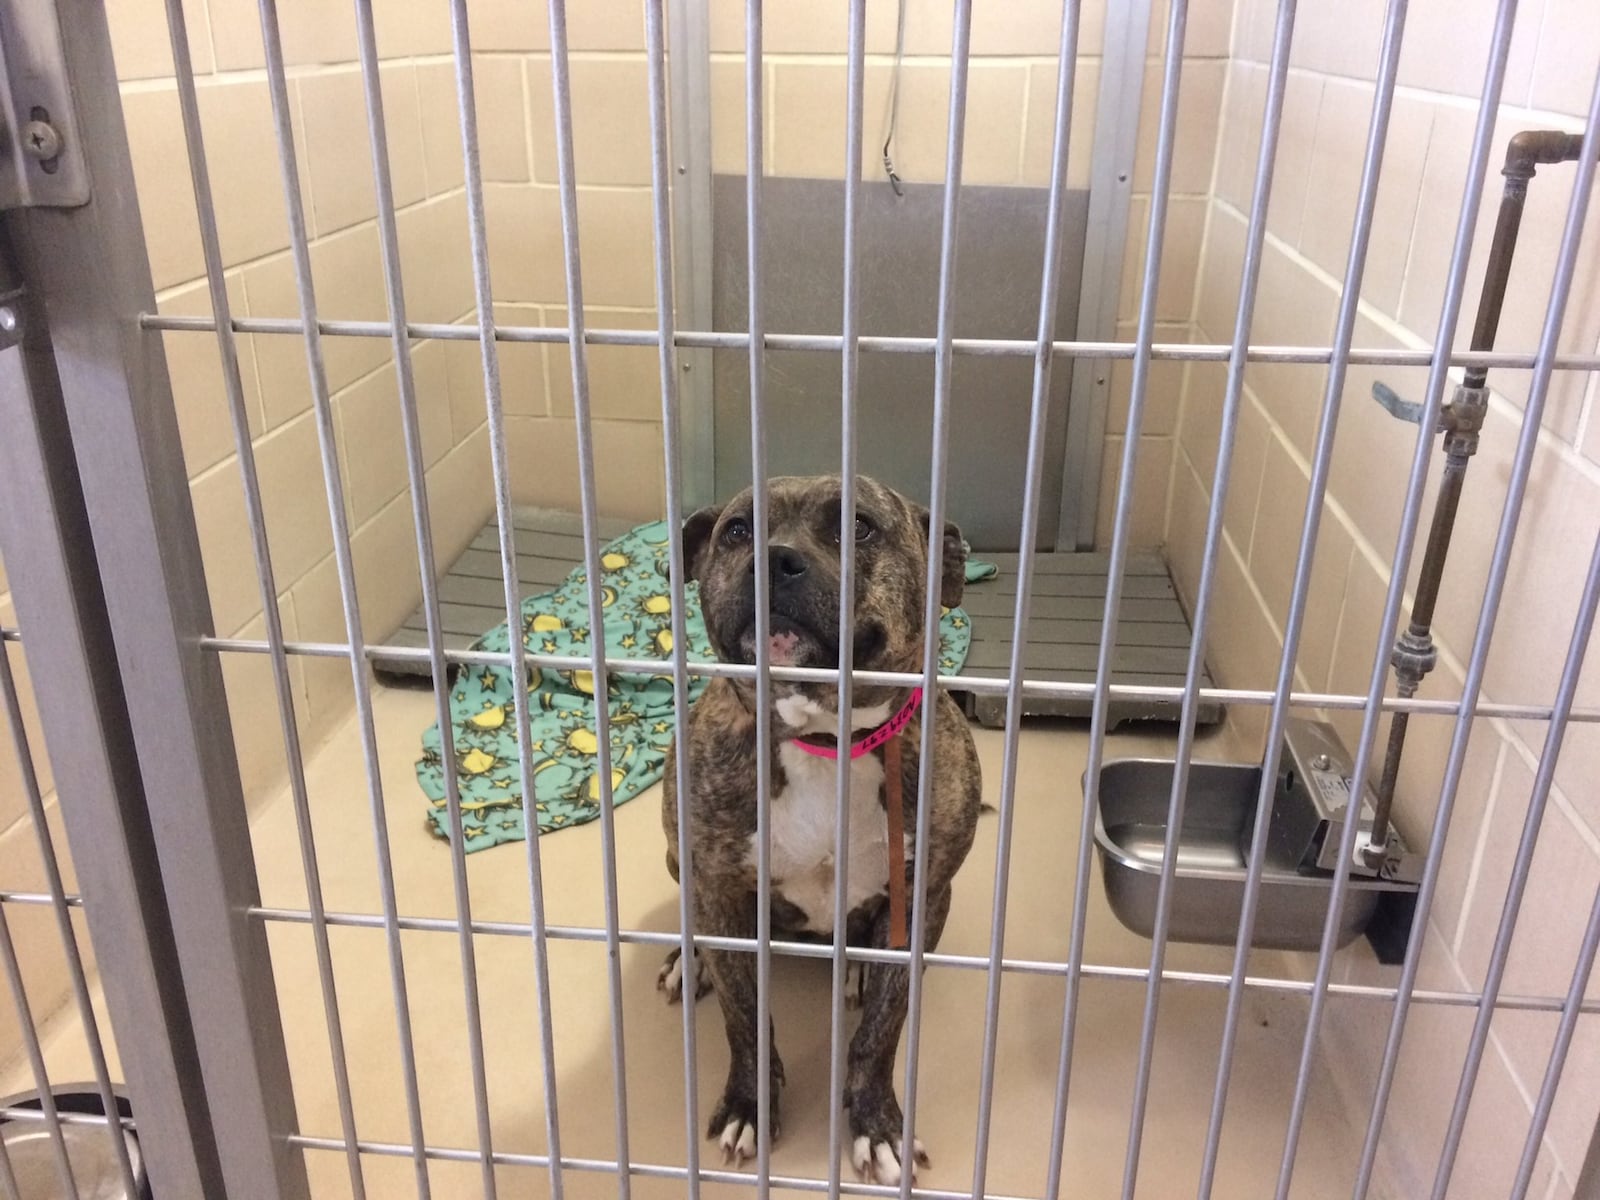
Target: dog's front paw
{"points": [[876, 1127], [734, 1124], [670, 978]]}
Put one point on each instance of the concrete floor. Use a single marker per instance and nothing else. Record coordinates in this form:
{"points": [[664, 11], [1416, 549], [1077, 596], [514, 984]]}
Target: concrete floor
{"points": [[1046, 834]]}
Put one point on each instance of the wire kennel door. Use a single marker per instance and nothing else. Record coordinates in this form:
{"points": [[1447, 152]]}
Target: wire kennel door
{"points": [[99, 536]]}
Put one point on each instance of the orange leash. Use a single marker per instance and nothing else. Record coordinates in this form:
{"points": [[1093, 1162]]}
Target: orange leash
{"points": [[897, 845]]}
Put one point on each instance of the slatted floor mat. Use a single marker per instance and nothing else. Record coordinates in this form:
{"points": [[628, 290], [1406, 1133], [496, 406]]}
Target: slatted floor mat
{"points": [[1063, 630], [1064, 623], [472, 597]]}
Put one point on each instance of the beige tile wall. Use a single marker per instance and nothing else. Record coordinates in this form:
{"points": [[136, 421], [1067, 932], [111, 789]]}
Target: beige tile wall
{"points": [[1555, 53], [330, 128], [330, 138]]}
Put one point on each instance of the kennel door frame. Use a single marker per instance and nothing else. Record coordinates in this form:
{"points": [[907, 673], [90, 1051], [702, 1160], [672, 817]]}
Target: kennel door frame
{"points": [[112, 597], [1115, 146]]}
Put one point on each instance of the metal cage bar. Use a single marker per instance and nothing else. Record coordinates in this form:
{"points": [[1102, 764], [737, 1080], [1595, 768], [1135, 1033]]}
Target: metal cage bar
{"points": [[1233, 398], [1499, 568], [1494, 975], [985, 685], [756, 348], [322, 410], [562, 88], [1166, 137], [677, 573], [1565, 1030], [1366, 205], [255, 515], [55, 583], [8, 1176], [700, 339], [477, 231], [60, 903], [36, 1065], [943, 364], [1033, 482], [648, 937], [114, 624], [389, 247], [1450, 310], [583, 933], [849, 394]]}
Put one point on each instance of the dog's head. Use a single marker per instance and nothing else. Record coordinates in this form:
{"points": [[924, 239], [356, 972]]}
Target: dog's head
{"points": [[891, 540]]}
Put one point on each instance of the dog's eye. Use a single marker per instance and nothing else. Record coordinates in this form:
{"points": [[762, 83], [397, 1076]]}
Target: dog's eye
{"points": [[736, 532], [864, 529]]}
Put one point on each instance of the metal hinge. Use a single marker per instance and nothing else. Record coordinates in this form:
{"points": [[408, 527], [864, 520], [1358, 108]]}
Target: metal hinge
{"points": [[41, 160]]}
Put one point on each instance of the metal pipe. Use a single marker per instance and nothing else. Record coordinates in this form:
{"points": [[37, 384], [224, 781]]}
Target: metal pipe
{"points": [[1415, 653]]}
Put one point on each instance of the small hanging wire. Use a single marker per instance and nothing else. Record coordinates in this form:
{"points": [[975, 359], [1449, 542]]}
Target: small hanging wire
{"points": [[892, 117]]}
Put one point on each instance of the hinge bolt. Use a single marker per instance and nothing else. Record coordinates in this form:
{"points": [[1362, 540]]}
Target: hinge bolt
{"points": [[41, 141]]}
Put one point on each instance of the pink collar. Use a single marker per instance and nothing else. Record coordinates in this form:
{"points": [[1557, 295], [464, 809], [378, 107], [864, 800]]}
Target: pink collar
{"points": [[869, 741]]}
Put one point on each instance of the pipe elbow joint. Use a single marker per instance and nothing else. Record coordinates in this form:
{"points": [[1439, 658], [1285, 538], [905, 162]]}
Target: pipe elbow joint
{"points": [[1533, 148]]}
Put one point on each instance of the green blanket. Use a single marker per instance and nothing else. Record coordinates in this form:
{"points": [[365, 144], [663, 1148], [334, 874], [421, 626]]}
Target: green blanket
{"points": [[638, 624]]}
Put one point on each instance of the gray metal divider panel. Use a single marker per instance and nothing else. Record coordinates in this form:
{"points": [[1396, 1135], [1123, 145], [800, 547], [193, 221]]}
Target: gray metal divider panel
{"points": [[87, 268], [44, 535], [1002, 254]]}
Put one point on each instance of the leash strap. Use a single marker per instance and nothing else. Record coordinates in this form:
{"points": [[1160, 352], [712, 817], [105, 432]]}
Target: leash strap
{"points": [[897, 844]]}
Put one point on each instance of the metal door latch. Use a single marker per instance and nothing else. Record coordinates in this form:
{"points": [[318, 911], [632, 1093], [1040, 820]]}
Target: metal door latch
{"points": [[41, 163]]}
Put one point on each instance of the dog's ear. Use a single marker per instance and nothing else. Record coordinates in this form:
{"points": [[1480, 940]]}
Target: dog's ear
{"points": [[953, 576], [697, 538]]}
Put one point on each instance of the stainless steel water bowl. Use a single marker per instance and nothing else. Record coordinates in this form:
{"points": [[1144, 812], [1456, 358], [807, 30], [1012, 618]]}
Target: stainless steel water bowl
{"points": [[91, 1155], [1208, 885]]}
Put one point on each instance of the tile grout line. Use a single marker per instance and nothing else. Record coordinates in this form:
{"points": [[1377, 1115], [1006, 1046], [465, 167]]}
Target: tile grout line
{"points": [[1475, 866]]}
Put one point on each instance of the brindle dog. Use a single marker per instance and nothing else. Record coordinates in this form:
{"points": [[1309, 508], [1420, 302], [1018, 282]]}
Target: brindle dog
{"points": [[891, 542]]}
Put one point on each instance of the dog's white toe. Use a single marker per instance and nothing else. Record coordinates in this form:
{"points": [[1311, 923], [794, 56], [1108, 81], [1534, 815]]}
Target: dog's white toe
{"points": [[861, 1155], [854, 973], [738, 1141], [876, 1162], [670, 980]]}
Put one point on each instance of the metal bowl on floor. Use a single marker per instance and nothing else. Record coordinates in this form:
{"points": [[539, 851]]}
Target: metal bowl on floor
{"points": [[91, 1154], [1212, 847]]}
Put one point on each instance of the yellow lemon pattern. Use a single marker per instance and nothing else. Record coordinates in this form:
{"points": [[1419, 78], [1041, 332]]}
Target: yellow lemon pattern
{"points": [[565, 767]]}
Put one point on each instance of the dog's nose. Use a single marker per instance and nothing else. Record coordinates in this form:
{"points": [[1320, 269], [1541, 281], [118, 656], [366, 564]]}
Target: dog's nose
{"points": [[786, 563]]}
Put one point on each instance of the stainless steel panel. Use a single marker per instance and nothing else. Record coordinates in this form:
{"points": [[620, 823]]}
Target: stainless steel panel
{"points": [[1001, 248]]}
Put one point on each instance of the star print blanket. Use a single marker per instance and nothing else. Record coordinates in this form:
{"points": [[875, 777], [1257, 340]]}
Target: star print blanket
{"points": [[638, 624]]}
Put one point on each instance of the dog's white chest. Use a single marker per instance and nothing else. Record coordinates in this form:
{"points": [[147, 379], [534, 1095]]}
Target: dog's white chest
{"points": [[803, 825]]}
